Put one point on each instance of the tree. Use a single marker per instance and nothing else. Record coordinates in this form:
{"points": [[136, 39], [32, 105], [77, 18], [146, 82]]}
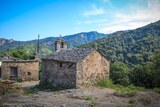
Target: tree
{"points": [[119, 73], [22, 54], [143, 75], [156, 67]]}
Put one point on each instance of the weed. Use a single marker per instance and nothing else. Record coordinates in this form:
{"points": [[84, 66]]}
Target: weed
{"points": [[126, 93], [146, 101], [131, 101], [29, 91], [93, 102], [157, 90], [17, 86], [91, 99], [56, 93], [87, 98]]}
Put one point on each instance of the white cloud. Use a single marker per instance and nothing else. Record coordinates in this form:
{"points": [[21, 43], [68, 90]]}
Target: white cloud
{"points": [[119, 27], [91, 21], [94, 11], [136, 18]]}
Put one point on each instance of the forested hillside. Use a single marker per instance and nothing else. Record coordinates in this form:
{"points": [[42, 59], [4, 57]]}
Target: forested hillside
{"points": [[47, 44], [132, 47]]}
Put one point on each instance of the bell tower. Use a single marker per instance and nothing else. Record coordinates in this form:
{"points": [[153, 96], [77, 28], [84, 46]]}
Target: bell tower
{"points": [[60, 44]]}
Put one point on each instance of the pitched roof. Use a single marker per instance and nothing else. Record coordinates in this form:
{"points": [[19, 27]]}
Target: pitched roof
{"points": [[70, 55]]}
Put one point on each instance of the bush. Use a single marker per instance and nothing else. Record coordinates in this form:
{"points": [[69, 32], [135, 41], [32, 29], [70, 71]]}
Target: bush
{"points": [[119, 73], [105, 83], [157, 90]]}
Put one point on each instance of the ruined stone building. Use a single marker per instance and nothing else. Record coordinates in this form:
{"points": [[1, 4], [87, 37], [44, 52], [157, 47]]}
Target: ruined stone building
{"points": [[68, 68], [19, 70]]}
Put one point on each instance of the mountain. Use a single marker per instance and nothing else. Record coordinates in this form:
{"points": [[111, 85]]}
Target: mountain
{"points": [[132, 47], [5, 41], [47, 44]]}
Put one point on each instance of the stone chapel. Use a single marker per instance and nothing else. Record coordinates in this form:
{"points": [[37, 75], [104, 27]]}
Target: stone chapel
{"points": [[69, 68]]}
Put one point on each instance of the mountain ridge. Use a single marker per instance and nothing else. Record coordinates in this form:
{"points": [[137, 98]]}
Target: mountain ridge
{"points": [[132, 47], [47, 44]]}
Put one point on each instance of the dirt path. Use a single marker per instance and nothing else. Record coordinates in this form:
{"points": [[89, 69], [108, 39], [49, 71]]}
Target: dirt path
{"points": [[27, 84], [82, 97], [85, 97]]}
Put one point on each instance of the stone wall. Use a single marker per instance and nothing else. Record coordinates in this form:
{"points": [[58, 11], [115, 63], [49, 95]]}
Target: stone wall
{"points": [[60, 74], [27, 70], [93, 67]]}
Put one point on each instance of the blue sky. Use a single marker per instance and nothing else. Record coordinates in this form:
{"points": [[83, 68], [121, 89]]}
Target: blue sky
{"points": [[25, 19]]}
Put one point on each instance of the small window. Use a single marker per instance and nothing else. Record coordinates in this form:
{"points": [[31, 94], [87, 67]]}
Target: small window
{"points": [[60, 64], [62, 45], [29, 73]]}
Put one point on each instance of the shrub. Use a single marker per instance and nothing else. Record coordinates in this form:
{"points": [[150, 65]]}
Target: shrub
{"points": [[157, 90], [119, 73], [105, 83]]}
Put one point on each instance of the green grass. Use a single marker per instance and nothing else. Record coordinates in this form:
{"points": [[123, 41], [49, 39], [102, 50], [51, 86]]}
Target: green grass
{"points": [[126, 93], [123, 91]]}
